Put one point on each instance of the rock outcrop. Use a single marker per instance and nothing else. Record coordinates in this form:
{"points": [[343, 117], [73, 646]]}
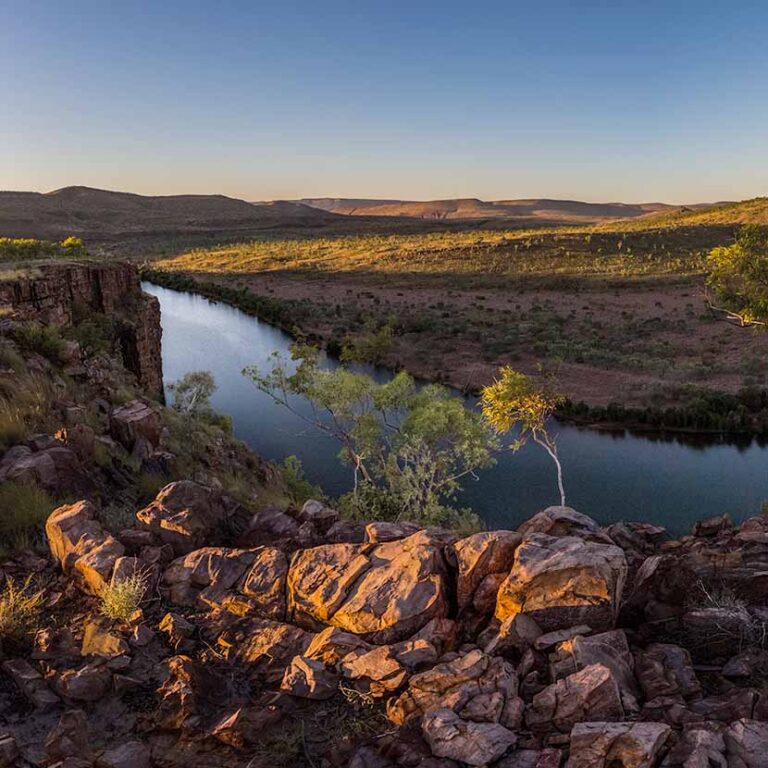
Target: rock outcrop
{"points": [[65, 290]]}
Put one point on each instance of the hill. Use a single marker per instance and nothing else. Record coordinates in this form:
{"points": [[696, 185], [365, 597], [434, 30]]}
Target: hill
{"points": [[97, 214], [533, 210]]}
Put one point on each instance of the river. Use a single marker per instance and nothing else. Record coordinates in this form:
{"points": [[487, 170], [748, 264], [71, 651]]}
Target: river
{"points": [[609, 476]]}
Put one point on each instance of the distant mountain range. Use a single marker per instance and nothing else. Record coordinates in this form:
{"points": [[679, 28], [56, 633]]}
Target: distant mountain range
{"points": [[123, 218], [540, 210], [100, 214]]}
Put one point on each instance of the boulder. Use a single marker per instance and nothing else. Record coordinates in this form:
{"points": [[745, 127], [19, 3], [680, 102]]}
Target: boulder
{"points": [[31, 684], [205, 576], [591, 694], [321, 516], [265, 646], [246, 725], [664, 669], [332, 645], [480, 557], [516, 634], [378, 671], [264, 583], [465, 741], [131, 754], [83, 548], [133, 422], [454, 684], [564, 521], [697, 747], [69, 738], [624, 745], [100, 639], [188, 515], [531, 758], [56, 469], [746, 743], [384, 592], [379, 532], [561, 582], [309, 679], [89, 683], [9, 751], [272, 526]]}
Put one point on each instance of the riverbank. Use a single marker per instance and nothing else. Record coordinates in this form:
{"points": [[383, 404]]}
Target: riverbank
{"points": [[679, 409]]}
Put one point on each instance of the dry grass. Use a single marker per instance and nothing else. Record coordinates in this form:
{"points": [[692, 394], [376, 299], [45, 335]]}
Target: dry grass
{"points": [[21, 608], [122, 599]]}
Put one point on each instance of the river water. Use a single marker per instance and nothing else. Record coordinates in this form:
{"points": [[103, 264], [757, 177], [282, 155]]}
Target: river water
{"points": [[608, 476]]}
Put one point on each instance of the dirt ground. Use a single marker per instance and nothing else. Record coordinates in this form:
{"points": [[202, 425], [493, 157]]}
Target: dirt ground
{"points": [[636, 345]]}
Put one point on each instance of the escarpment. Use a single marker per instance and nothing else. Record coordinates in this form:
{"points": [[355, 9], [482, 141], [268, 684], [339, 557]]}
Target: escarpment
{"points": [[63, 293]]}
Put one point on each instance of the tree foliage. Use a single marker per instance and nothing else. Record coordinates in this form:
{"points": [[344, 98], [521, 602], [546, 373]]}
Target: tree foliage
{"points": [[408, 447], [738, 274], [517, 401], [192, 392]]}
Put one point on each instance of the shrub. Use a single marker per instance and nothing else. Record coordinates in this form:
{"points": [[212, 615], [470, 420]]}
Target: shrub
{"points": [[42, 340], [20, 611], [298, 487], [24, 512], [122, 599]]}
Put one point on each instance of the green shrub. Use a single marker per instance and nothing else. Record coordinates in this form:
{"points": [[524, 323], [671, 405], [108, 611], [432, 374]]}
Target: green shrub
{"points": [[25, 509], [42, 340], [298, 487]]}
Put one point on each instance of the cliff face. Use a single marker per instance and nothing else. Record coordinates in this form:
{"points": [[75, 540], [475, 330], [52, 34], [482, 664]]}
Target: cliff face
{"points": [[65, 291]]}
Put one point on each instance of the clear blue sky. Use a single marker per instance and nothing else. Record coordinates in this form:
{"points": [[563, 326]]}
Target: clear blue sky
{"points": [[591, 100]]}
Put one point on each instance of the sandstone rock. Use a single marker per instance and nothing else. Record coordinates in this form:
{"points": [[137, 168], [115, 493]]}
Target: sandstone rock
{"points": [[454, 684], [384, 592], [204, 577], [697, 747], [480, 556], [736, 704], [99, 639], [69, 739], [561, 582], [332, 645], [57, 470], [82, 547], [466, 741], [9, 751], [516, 633], [591, 694], [746, 743], [90, 683], [245, 725], [379, 670], [188, 515], [629, 745], [317, 513], [188, 695], [564, 521], [265, 583], [750, 663], [131, 754], [379, 532], [610, 649], [309, 679], [550, 639], [266, 646], [271, 526], [663, 669], [531, 758], [134, 421], [31, 684], [178, 630]]}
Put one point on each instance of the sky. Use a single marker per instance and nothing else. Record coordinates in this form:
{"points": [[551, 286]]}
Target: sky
{"points": [[599, 101]]}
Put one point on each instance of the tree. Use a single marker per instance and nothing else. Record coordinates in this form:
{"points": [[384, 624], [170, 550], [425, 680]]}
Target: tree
{"points": [[192, 392], [515, 400], [738, 275], [408, 447]]}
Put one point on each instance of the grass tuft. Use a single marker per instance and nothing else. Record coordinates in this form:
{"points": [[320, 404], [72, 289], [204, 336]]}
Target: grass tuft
{"points": [[123, 598]]}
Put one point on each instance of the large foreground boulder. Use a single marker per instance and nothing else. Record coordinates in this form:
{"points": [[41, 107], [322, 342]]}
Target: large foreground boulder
{"points": [[564, 581], [83, 548], [384, 592], [188, 516]]}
